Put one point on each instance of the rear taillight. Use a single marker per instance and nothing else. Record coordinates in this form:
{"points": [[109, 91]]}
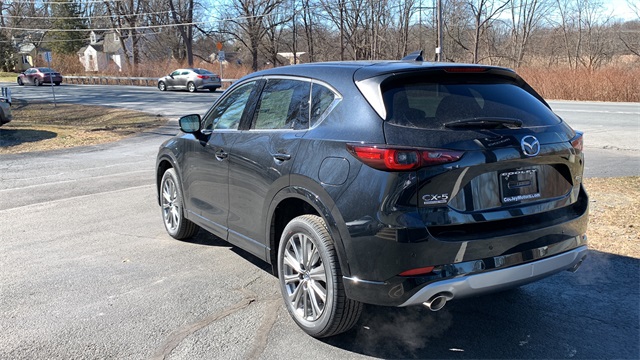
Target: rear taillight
{"points": [[577, 142], [387, 158], [203, 77]]}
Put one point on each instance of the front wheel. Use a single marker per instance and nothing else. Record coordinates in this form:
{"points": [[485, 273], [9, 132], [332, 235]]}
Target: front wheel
{"points": [[172, 202], [20, 82], [191, 87], [311, 279], [162, 86]]}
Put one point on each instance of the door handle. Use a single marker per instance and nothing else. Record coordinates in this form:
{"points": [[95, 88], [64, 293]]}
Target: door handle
{"points": [[282, 157], [221, 155]]}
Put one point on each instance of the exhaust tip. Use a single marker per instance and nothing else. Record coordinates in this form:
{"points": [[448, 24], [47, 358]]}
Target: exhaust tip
{"points": [[437, 302]]}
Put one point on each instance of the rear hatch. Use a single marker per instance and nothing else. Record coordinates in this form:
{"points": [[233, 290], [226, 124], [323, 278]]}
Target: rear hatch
{"points": [[520, 163]]}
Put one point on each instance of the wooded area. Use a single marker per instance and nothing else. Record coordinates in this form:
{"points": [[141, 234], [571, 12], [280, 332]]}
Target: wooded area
{"points": [[579, 35]]}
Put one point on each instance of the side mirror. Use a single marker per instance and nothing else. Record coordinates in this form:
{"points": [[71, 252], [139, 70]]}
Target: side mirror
{"points": [[190, 123]]}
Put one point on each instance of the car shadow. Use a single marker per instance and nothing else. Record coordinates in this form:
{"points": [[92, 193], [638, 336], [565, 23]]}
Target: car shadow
{"points": [[13, 137], [207, 239], [593, 313]]}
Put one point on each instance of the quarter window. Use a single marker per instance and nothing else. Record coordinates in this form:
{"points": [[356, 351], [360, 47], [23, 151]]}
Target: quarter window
{"points": [[321, 99], [284, 104], [228, 112]]}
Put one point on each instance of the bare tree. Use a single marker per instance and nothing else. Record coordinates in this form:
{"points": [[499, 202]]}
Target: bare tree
{"points": [[182, 13], [484, 12], [526, 17], [246, 23]]}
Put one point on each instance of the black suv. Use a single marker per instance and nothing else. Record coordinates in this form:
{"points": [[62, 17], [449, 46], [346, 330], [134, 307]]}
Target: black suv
{"points": [[394, 183]]}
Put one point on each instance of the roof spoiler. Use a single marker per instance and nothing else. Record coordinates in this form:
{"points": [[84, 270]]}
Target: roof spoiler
{"points": [[414, 56]]}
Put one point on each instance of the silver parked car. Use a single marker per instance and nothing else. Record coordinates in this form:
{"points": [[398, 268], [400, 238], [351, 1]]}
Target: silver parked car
{"points": [[190, 79]]}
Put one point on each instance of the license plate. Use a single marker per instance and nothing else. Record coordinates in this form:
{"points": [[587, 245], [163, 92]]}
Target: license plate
{"points": [[519, 185]]}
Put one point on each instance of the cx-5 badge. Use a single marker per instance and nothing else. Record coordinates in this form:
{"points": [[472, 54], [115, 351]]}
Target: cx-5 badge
{"points": [[530, 145]]}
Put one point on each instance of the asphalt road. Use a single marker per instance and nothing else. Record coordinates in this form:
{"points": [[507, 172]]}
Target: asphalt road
{"points": [[88, 272]]}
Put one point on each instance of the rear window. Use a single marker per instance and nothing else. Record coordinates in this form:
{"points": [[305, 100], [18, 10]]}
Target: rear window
{"points": [[202, 72], [433, 104]]}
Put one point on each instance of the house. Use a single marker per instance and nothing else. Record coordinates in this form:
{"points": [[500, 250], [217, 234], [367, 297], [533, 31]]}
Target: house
{"points": [[300, 57], [104, 52], [29, 55]]}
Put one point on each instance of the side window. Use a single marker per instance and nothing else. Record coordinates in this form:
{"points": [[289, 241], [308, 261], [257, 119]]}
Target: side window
{"points": [[284, 104], [186, 72], [321, 99], [175, 73], [228, 112]]}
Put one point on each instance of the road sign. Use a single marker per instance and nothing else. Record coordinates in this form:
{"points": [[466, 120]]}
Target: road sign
{"points": [[221, 55], [219, 46], [47, 56]]}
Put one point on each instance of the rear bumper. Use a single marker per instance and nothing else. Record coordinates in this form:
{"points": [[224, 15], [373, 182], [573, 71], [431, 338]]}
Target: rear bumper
{"points": [[472, 278], [497, 280], [210, 86]]}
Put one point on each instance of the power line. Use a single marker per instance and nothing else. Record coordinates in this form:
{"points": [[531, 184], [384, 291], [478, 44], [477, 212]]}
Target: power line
{"points": [[82, 17], [57, 2]]}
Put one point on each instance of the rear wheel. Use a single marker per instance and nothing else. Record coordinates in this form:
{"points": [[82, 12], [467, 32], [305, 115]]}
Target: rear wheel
{"points": [[37, 82], [191, 87], [57, 83], [172, 202], [311, 279], [162, 86]]}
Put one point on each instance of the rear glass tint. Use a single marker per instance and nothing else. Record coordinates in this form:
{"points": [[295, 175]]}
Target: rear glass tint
{"points": [[202, 72], [433, 104]]}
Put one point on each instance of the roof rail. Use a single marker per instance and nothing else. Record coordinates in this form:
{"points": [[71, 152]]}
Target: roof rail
{"points": [[414, 56]]}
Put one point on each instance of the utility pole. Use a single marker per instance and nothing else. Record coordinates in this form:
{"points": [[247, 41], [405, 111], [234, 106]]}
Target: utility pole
{"points": [[295, 49], [439, 49], [341, 30]]}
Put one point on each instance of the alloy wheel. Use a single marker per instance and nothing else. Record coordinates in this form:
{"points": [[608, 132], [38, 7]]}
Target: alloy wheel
{"points": [[305, 277], [170, 205]]}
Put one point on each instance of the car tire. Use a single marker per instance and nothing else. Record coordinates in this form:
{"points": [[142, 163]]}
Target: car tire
{"points": [[20, 82], [306, 277], [162, 86], [57, 83], [213, 90], [37, 82], [191, 87], [172, 208]]}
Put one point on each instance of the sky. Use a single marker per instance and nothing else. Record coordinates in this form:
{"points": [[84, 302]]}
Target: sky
{"points": [[621, 9]]}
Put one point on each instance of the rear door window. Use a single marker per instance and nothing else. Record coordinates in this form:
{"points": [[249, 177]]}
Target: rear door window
{"points": [[283, 104], [432, 104]]}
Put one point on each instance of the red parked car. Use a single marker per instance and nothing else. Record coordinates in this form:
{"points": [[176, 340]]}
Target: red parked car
{"points": [[39, 75]]}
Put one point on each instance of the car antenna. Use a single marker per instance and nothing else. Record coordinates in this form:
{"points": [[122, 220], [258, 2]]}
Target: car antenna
{"points": [[414, 56]]}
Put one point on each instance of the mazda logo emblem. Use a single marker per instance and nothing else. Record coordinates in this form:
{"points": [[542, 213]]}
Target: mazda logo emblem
{"points": [[530, 145]]}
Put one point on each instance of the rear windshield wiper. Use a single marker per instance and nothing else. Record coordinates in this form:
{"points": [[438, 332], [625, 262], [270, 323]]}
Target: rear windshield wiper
{"points": [[484, 123]]}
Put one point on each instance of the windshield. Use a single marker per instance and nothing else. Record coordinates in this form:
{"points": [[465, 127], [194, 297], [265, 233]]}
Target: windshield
{"points": [[434, 104]]}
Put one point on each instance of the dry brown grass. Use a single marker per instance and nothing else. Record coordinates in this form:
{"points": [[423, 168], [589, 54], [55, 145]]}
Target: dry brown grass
{"points": [[612, 83], [614, 220], [41, 126]]}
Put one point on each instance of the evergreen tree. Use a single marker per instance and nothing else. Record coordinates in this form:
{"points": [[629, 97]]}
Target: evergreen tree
{"points": [[66, 15], [7, 61]]}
